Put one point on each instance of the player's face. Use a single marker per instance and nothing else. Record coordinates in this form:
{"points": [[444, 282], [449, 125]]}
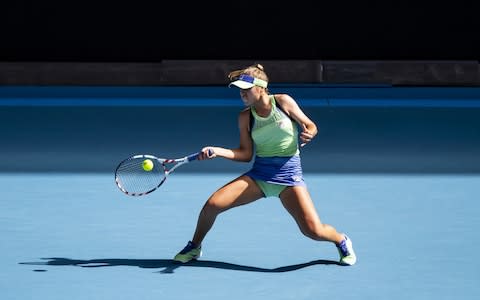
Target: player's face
{"points": [[249, 96]]}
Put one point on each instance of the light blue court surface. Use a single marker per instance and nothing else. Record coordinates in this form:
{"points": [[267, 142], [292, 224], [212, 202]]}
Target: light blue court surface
{"points": [[76, 236]]}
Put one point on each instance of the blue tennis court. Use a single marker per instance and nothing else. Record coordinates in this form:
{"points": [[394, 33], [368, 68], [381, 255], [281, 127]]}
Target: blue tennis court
{"points": [[402, 181], [415, 236]]}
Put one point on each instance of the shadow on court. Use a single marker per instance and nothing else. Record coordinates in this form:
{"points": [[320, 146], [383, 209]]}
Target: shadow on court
{"points": [[170, 265]]}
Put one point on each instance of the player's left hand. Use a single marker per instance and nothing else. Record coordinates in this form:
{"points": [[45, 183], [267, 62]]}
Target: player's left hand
{"points": [[305, 136]]}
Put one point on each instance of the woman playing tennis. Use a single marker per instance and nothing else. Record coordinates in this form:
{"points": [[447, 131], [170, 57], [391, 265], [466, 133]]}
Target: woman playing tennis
{"points": [[270, 128]]}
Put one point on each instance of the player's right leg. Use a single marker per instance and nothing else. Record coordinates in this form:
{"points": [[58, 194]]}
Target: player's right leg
{"points": [[240, 191]]}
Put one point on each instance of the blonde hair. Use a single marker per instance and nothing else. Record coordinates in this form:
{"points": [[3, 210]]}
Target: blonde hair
{"points": [[255, 70]]}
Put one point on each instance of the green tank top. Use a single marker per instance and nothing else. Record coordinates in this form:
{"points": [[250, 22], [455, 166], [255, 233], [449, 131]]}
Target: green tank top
{"points": [[275, 135]]}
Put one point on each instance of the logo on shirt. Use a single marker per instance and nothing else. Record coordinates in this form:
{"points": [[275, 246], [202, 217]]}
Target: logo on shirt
{"points": [[283, 124]]}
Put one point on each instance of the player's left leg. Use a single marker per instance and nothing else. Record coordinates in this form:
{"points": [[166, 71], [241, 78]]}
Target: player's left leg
{"points": [[297, 201]]}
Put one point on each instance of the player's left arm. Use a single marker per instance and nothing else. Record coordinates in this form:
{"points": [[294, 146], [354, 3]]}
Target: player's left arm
{"points": [[291, 107]]}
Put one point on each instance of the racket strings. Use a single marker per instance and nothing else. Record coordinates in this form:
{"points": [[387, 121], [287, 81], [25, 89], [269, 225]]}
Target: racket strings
{"points": [[132, 179]]}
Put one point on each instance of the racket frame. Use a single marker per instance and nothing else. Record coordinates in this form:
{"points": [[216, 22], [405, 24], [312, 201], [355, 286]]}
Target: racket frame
{"points": [[164, 162]]}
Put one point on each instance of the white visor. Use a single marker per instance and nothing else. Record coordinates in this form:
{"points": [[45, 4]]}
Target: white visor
{"points": [[245, 81]]}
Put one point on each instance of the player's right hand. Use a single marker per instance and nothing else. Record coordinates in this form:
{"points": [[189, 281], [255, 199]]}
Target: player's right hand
{"points": [[206, 153]]}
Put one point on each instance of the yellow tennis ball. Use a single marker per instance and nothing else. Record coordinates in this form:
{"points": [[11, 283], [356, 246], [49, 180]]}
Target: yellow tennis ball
{"points": [[147, 165]]}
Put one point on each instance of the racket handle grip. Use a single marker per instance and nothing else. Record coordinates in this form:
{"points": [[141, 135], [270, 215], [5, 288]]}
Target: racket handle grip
{"points": [[194, 156]]}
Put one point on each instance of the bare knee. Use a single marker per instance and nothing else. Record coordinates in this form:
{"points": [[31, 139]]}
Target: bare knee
{"points": [[214, 205], [315, 230]]}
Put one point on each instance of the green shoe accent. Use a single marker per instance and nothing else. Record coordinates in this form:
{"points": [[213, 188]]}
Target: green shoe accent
{"points": [[347, 255], [188, 253]]}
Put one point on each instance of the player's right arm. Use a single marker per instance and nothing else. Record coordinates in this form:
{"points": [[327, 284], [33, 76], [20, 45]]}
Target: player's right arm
{"points": [[244, 152]]}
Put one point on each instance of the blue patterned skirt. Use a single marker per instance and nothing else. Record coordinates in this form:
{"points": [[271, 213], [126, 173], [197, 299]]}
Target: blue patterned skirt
{"points": [[278, 170]]}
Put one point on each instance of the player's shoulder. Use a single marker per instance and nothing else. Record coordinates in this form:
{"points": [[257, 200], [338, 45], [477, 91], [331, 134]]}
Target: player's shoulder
{"points": [[284, 100], [244, 113], [245, 110], [283, 97]]}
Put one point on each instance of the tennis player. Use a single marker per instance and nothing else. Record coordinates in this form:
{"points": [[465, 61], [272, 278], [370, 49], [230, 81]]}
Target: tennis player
{"points": [[273, 128]]}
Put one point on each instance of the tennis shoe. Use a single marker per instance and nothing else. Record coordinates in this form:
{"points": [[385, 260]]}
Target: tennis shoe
{"points": [[190, 252], [345, 249]]}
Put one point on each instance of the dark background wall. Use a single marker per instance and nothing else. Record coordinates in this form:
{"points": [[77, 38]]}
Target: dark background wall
{"points": [[152, 31], [90, 42], [214, 72]]}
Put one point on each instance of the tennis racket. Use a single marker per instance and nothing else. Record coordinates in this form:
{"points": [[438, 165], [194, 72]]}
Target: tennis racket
{"points": [[132, 179]]}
